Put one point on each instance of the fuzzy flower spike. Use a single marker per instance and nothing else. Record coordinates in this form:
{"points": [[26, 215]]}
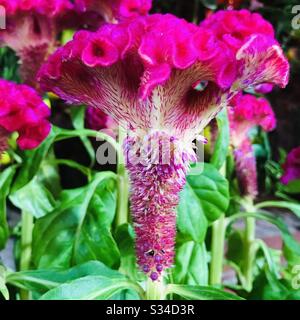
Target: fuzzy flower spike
{"points": [[247, 112], [164, 79], [22, 111], [32, 30]]}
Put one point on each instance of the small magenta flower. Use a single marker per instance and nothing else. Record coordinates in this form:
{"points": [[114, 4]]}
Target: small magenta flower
{"points": [[32, 30], [291, 167], [163, 79], [247, 112], [115, 10], [22, 111]]}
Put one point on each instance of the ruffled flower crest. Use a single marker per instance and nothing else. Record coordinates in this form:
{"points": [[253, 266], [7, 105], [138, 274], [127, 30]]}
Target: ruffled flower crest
{"points": [[22, 111]]}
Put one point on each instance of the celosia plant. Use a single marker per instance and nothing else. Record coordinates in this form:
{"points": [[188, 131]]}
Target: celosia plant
{"points": [[32, 30], [247, 112], [164, 79], [291, 167], [22, 111]]}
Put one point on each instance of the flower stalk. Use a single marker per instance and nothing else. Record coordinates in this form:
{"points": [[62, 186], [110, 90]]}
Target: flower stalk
{"points": [[122, 184], [249, 242], [217, 251], [26, 247]]}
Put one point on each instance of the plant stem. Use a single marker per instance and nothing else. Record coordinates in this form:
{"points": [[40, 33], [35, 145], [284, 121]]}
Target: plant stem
{"points": [[249, 240], [217, 250], [26, 242], [122, 182], [155, 289]]}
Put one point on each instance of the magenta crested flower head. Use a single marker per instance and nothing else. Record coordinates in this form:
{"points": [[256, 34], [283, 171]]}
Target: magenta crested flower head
{"points": [[32, 30], [251, 37], [22, 111], [115, 10], [164, 79], [247, 112], [291, 167]]}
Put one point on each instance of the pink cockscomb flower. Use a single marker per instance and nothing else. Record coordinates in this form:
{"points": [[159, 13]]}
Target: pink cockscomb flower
{"points": [[32, 30], [247, 112], [291, 167], [115, 10], [242, 31], [164, 79], [22, 111]]}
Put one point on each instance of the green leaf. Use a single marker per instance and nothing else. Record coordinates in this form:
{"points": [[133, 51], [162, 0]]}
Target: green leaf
{"points": [[87, 288], [78, 118], [43, 280], [3, 287], [34, 198], [222, 143], [79, 229], [6, 178], [201, 292], [191, 264], [291, 247], [210, 4], [204, 198], [124, 237], [32, 162], [292, 187], [294, 207], [235, 247]]}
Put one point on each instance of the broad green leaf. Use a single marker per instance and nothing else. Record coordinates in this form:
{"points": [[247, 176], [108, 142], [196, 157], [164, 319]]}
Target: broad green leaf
{"points": [[87, 288], [204, 198], [124, 237], [6, 177], [79, 229], [222, 143], [292, 187], [201, 292], [43, 280], [34, 198], [32, 162], [191, 264], [78, 119]]}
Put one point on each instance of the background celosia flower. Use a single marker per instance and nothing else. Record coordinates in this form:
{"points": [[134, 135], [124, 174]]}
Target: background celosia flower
{"points": [[291, 167], [32, 30], [164, 79], [22, 111], [114, 10], [97, 120], [247, 112]]}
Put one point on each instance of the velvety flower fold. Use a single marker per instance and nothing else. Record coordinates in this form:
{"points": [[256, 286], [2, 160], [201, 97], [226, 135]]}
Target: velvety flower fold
{"points": [[22, 111], [163, 79]]}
